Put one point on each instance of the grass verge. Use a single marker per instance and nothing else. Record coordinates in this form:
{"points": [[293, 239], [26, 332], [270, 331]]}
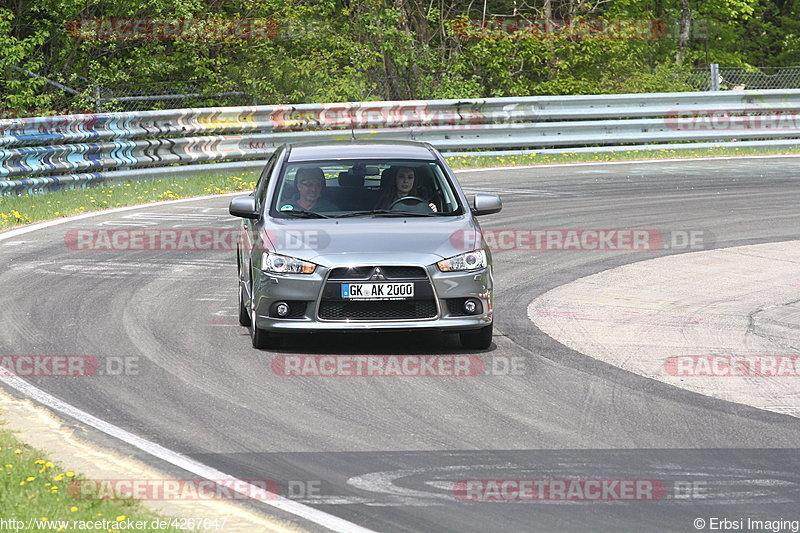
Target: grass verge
{"points": [[593, 157], [19, 210], [39, 496]]}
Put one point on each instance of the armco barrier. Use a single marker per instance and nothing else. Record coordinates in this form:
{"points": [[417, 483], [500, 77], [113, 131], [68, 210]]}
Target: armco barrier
{"points": [[50, 153]]}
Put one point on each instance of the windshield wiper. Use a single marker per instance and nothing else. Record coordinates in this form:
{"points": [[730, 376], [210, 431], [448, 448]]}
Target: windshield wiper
{"points": [[301, 213], [366, 213], [376, 212]]}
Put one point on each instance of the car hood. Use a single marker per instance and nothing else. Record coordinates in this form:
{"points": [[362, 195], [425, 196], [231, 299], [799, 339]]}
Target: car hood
{"points": [[378, 240]]}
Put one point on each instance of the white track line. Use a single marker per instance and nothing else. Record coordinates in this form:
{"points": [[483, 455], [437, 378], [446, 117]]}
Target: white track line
{"points": [[329, 521]]}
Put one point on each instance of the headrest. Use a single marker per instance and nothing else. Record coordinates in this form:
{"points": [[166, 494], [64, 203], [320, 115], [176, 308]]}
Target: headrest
{"points": [[347, 179], [388, 176]]}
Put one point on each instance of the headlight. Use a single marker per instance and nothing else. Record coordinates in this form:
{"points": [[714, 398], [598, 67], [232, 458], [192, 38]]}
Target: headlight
{"points": [[473, 260], [282, 264]]}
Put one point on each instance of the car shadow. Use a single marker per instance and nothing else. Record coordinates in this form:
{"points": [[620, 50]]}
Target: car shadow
{"points": [[374, 343]]}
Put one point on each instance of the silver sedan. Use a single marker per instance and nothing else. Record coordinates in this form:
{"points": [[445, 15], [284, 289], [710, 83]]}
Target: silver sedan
{"points": [[354, 236]]}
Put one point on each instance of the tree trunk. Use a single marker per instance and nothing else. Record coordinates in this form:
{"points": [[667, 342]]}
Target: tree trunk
{"points": [[685, 28], [548, 16]]}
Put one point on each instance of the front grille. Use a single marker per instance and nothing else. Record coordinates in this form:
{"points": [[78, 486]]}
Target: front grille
{"points": [[381, 310], [351, 273], [333, 307], [389, 272], [404, 272]]}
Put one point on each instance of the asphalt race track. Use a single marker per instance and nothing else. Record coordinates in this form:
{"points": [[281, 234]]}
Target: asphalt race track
{"points": [[389, 453]]}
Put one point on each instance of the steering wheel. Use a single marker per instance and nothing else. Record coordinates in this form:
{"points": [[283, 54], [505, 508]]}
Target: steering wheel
{"points": [[404, 198]]}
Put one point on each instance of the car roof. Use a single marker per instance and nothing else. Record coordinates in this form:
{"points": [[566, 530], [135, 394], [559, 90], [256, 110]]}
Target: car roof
{"points": [[338, 150]]}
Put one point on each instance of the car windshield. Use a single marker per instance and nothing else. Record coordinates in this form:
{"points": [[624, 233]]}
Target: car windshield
{"points": [[364, 188]]}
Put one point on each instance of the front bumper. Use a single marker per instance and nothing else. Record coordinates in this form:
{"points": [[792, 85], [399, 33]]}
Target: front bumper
{"points": [[305, 293]]}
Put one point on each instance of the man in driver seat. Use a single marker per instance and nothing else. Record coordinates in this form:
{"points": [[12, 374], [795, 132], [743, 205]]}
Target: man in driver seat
{"points": [[309, 184], [403, 194]]}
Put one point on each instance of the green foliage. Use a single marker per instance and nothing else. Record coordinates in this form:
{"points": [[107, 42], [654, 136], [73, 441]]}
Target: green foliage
{"points": [[346, 50]]}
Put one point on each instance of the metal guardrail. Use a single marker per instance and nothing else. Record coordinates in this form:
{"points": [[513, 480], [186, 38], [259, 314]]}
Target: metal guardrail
{"points": [[81, 150]]}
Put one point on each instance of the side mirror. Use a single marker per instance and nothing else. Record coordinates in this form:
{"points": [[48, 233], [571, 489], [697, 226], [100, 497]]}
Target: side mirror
{"points": [[486, 204], [245, 207]]}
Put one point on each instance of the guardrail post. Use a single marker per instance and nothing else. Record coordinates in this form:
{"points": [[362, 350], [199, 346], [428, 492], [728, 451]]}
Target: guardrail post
{"points": [[715, 76]]}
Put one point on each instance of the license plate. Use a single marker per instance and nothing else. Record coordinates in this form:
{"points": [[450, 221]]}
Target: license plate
{"points": [[377, 291]]}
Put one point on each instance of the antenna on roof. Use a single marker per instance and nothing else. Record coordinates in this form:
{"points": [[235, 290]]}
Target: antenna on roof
{"points": [[352, 127]]}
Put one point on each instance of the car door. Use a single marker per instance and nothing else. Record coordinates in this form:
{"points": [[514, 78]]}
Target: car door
{"points": [[252, 241]]}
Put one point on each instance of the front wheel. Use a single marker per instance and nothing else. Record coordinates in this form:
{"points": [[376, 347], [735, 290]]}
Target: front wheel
{"points": [[244, 314], [477, 340], [261, 339]]}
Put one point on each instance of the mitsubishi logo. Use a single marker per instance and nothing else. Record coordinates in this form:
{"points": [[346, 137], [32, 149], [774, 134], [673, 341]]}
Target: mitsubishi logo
{"points": [[377, 275]]}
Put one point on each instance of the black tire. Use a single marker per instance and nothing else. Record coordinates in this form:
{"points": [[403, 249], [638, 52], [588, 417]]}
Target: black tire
{"points": [[244, 314], [262, 339], [477, 340]]}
